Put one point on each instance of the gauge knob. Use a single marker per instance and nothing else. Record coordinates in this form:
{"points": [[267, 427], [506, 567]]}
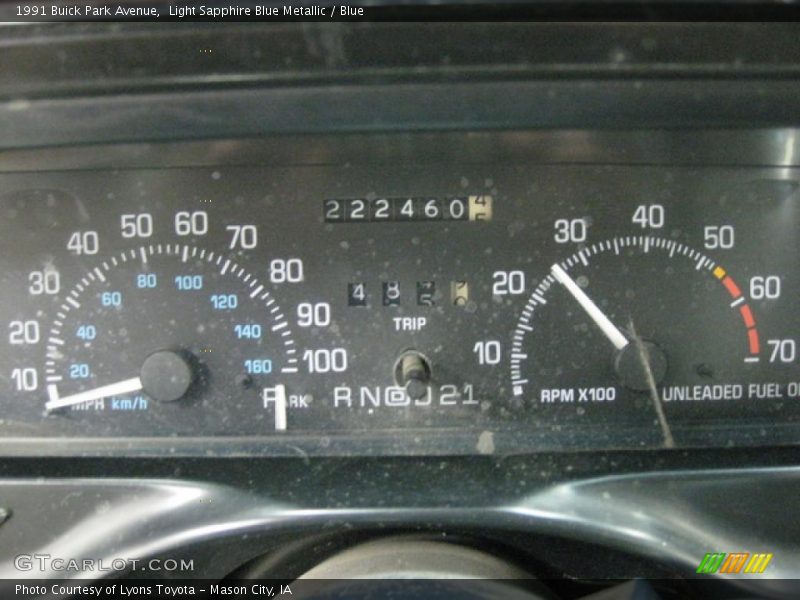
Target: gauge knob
{"points": [[641, 366], [167, 375], [413, 372]]}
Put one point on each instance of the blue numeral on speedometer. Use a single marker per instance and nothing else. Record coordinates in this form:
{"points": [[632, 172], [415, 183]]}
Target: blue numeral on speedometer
{"points": [[79, 371], [224, 301], [261, 366], [146, 280], [248, 332], [189, 282], [86, 332], [111, 299]]}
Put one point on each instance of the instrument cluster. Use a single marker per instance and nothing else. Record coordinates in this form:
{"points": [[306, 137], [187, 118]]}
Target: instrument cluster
{"points": [[399, 307]]}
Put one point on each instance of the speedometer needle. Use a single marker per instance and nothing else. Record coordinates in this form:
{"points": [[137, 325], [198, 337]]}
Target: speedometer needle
{"points": [[114, 389], [602, 321]]}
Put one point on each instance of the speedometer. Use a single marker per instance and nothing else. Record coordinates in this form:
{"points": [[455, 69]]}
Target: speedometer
{"points": [[166, 323]]}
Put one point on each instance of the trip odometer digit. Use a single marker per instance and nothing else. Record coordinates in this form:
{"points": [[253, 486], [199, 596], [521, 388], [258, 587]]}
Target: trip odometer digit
{"points": [[166, 323]]}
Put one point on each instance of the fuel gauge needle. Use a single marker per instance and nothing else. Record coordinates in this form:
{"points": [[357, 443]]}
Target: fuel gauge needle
{"points": [[114, 389], [601, 320]]}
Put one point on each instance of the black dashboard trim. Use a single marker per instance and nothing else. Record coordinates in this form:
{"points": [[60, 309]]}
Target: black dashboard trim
{"points": [[551, 104]]}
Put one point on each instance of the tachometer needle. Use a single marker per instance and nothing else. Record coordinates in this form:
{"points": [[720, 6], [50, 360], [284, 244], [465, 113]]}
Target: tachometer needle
{"points": [[114, 389], [602, 321]]}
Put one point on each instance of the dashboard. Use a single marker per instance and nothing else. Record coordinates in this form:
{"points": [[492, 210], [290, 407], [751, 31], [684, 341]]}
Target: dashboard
{"points": [[395, 305]]}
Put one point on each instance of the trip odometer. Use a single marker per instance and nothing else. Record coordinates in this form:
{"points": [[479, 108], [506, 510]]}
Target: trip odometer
{"points": [[632, 324], [166, 324]]}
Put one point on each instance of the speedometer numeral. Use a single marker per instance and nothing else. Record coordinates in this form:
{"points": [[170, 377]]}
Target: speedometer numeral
{"points": [[136, 225], [191, 223], [23, 333], [47, 282], [313, 315], [288, 270], [325, 360], [84, 242], [26, 379], [243, 236]]}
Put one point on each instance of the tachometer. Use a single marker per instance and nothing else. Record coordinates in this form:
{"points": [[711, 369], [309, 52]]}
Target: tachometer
{"points": [[638, 323]]}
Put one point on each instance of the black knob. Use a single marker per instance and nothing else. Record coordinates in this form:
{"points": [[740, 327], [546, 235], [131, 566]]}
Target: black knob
{"points": [[636, 363], [167, 375]]}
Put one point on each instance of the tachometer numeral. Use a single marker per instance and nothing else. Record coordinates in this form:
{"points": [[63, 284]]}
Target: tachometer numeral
{"points": [[782, 351], [570, 230], [719, 237], [649, 216], [508, 282], [765, 287], [488, 352]]}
